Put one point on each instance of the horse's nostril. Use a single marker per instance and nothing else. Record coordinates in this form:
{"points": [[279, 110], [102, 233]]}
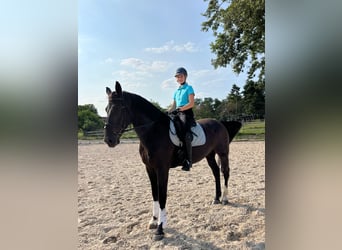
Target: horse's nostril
{"points": [[107, 140]]}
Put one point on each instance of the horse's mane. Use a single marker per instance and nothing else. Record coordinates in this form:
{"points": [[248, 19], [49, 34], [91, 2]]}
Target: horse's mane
{"points": [[142, 105]]}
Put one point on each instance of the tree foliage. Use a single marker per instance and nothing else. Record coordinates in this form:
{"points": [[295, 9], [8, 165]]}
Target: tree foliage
{"points": [[234, 100], [204, 108], [254, 98], [157, 105], [239, 28], [238, 105], [88, 118]]}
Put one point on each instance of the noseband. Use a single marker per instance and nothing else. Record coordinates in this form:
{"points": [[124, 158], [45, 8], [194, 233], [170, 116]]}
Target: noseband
{"points": [[123, 130], [111, 128], [118, 128]]}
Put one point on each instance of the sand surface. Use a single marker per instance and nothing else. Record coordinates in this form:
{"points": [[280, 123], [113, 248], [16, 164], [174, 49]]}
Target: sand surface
{"points": [[115, 201]]}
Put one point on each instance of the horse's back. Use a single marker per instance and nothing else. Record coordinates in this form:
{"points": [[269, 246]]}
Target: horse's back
{"points": [[213, 128], [224, 129], [210, 123]]}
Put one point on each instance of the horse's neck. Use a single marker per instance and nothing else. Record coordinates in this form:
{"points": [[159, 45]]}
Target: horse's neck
{"points": [[144, 115], [142, 120]]}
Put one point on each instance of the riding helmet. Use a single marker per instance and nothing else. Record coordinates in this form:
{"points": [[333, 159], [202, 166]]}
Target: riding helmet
{"points": [[181, 70]]}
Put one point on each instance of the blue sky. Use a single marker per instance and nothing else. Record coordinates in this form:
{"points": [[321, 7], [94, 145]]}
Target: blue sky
{"points": [[141, 44]]}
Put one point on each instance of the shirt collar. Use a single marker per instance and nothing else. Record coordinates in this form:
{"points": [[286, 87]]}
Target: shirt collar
{"points": [[183, 86]]}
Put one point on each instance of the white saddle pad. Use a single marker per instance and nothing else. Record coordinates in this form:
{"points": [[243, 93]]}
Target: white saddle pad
{"points": [[198, 135]]}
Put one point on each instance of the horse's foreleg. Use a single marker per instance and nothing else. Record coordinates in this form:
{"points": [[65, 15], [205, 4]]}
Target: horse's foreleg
{"points": [[216, 171], [225, 170], [153, 224], [163, 175]]}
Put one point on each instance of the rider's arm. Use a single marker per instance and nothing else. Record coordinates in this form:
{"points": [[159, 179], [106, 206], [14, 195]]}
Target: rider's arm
{"points": [[190, 104]]}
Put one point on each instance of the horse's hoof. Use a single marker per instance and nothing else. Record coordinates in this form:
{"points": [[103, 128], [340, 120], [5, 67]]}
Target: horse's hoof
{"points": [[153, 223], [216, 202], [152, 226], [158, 237], [225, 202]]}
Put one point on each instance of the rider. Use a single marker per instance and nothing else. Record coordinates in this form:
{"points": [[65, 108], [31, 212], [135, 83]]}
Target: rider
{"points": [[183, 102]]}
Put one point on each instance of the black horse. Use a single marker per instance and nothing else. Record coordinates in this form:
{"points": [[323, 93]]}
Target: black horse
{"points": [[157, 151]]}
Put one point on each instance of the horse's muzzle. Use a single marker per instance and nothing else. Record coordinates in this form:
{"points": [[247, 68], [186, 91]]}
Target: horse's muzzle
{"points": [[112, 142]]}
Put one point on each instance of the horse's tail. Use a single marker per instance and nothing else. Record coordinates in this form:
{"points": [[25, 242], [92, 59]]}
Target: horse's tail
{"points": [[232, 127]]}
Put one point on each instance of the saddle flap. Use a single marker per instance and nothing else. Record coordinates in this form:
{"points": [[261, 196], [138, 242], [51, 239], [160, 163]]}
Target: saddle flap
{"points": [[199, 137]]}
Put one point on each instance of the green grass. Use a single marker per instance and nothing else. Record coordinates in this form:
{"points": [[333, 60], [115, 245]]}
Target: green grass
{"points": [[252, 130]]}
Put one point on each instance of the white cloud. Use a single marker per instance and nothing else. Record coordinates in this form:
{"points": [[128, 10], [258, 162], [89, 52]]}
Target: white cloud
{"points": [[133, 62], [171, 46], [188, 47], [155, 66], [204, 77], [159, 65], [127, 76], [169, 84], [162, 49], [109, 60]]}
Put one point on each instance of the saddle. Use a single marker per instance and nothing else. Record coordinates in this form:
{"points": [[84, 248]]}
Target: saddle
{"points": [[199, 137]]}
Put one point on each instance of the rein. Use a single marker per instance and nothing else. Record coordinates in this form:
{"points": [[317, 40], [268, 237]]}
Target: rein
{"points": [[127, 129], [121, 130], [141, 126]]}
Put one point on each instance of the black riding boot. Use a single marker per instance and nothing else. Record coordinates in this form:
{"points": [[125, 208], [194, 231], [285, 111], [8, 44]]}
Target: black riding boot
{"points": [[187, 164]]}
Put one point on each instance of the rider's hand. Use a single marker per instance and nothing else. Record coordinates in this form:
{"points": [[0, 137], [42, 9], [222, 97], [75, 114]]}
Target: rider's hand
{"points": [[175, 112]]}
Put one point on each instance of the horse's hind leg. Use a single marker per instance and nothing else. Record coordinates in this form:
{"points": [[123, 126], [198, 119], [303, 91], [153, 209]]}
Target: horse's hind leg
{"points": [[153, 224], [225, 170], [216, 171]]}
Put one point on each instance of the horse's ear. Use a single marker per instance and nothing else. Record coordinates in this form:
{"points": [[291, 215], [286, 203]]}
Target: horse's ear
{"points": [[118, 88], [108, 91]]}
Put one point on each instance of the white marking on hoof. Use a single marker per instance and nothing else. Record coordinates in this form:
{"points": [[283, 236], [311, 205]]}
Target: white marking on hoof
{"points": [[224, 196], [163, 217], [155, 209], [153, 224]]}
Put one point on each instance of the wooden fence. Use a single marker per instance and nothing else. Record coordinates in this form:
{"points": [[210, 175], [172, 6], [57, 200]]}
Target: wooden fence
{"points": [[251, 130]]}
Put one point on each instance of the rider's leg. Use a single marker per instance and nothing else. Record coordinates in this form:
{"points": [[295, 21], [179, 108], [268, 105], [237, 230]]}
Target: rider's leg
{"points": [[188, 161]]}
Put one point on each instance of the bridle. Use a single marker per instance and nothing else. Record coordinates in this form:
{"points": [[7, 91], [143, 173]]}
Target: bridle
{"points": [[113, 129], [121, 130]]}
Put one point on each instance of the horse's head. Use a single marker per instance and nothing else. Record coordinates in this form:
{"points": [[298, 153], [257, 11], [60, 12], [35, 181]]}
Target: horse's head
{"points": [[117, 116]]}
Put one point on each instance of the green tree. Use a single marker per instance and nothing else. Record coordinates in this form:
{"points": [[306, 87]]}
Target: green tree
{"points": [[156, 104], [254, 98], [88, 118], [204, 108], [234, 100], [89, 107], [223, 110], [239, 28]]}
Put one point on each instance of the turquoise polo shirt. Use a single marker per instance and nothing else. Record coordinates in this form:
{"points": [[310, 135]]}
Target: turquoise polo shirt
{"points": [[181, 95]]}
